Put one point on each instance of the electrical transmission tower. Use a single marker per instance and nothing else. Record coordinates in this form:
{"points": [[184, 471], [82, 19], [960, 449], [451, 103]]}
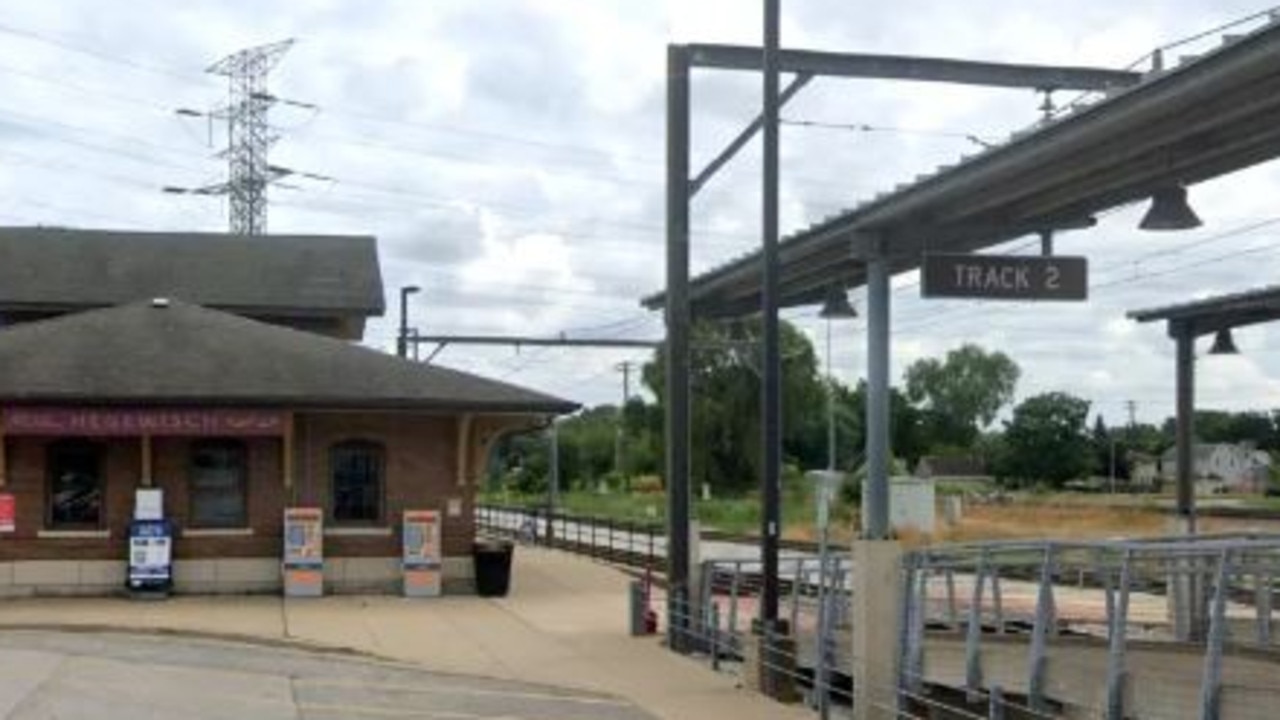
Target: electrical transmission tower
{"points": [[249, 136]]}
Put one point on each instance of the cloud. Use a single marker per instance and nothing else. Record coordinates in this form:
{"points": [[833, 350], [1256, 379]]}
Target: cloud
{"points": [[509, 155]]}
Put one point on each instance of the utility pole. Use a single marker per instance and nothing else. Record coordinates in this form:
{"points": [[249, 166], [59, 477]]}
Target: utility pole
{"points": [[1113, 464], [619, 446], [1132, 406], [249, 137], [771, 422]]}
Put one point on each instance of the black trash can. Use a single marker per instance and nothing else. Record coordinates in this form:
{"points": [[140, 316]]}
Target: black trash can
{"points": [[493, 567]]}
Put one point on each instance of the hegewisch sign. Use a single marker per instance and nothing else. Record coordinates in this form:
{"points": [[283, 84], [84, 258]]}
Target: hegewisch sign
{"points": [[116, 422]]}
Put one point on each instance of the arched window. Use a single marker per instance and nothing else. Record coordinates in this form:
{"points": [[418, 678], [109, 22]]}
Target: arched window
{"points": [[75, 484], [356, 481], [218, 484]]}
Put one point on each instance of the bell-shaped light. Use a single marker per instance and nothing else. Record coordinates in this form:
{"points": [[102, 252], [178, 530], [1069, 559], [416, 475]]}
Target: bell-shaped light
{"points": [[837, 306], [1169, 211], [1224, 344]]}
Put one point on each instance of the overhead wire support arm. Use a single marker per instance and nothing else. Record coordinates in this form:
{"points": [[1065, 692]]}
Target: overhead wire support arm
{"points": [[534, 341], [797, 83]]}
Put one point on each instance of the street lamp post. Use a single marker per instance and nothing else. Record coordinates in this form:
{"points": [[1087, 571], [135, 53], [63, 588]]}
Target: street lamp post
{"points": [[402, 339], [836, 307]]}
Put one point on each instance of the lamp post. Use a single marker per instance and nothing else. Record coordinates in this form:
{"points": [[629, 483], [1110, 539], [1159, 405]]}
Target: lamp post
{"points": [[836, 307], [825, 484], [402, 340]]}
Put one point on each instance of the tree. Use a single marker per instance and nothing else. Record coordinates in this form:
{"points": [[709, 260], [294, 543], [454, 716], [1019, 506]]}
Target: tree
{"points": [[1046, 440], [725, 427], [961, 393]]}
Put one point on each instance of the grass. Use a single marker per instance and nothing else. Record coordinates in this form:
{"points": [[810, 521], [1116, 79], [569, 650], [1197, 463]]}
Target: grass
{"points": [[1055, 515], [740, 515], [1057, 520]]}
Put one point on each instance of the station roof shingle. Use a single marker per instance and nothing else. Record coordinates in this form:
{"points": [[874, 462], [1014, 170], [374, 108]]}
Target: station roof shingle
{"points": [[172, 353], [49, 268]]}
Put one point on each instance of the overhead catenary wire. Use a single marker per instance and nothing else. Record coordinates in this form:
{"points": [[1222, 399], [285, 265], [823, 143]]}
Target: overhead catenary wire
{"points": [[872, 128]]}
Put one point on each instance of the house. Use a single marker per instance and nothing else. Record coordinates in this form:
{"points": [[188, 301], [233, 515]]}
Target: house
{"points": [[1222, 467], [222, 370], [952, 468], [1144, 470]]}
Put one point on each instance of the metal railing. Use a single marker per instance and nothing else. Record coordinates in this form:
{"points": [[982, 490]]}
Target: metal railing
{"points": [[1211, 595], [640, 545]]}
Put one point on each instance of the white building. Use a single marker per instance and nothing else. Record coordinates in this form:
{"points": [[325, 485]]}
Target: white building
{"points": [[1222, 467]]}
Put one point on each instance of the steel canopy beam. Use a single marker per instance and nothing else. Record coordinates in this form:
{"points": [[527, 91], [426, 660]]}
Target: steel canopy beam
{"points": [[897, 67], [518, 340]]}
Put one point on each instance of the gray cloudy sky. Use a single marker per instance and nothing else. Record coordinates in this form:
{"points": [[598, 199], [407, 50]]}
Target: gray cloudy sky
{"points": [[508, 154]]}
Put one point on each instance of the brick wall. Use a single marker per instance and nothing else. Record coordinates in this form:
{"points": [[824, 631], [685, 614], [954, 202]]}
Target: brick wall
{"points": [[26, 480], [264, 504], [420, 473]]}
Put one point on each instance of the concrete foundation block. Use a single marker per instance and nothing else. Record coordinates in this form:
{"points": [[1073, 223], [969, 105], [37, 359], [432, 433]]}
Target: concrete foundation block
{"points": [[459, 568], [46, 573], [246, 575], [102, 574], [877, 613], [366, 575], [335, 570], [191, 573]]}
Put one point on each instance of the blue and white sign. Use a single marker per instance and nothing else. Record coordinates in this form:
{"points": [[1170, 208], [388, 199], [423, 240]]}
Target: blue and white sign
{"points": [[150, 554]]}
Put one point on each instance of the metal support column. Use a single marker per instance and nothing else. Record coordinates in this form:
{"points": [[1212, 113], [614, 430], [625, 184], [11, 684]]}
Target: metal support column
{"points": [[1186, 382], [553, 483], [770, 477], [677, 347], [875, 488]]}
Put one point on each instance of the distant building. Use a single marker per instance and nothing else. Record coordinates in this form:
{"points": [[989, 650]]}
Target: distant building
{"points": [[1144, 470], [1222, 467], [952, 468]]}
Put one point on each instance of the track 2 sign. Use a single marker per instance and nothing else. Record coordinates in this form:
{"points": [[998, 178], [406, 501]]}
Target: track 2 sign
{"points": [[1004, 277]]}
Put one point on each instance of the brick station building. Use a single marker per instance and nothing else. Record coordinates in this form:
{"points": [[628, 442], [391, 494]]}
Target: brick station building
{"points": [[222, 370]]}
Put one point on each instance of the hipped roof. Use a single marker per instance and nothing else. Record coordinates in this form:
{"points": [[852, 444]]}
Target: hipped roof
{"points": [[59, 268], [177, 353]]}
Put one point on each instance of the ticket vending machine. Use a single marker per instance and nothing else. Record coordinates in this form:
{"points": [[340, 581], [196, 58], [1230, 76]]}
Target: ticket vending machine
{"points": [[303, 563], [420, 559]]}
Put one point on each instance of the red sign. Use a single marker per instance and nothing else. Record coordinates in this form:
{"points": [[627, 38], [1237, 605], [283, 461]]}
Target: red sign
{"points": [[113, 422], [8, 511]]}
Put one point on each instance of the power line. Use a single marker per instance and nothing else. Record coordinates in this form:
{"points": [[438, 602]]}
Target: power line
{"points": [[869, 128], [94, 53]]}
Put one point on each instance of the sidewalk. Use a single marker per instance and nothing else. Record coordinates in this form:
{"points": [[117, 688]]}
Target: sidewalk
{"points": [[563, 624]]}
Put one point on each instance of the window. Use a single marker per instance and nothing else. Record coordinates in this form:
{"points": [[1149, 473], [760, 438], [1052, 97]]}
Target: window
{"points": [[219, 470], [75, 484], [356, 482]]}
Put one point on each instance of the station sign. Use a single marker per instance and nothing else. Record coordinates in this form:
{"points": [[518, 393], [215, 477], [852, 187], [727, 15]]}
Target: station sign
{"points": [[1004, 277], [159, 422]]}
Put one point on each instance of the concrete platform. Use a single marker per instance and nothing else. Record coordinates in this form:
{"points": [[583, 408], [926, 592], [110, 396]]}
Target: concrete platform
{"points": [[563, 625]]}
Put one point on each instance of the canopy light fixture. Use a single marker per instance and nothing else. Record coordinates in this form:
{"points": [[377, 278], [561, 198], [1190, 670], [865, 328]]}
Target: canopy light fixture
{"points": [[1224, 344], [837, 306], [1169, 211]]}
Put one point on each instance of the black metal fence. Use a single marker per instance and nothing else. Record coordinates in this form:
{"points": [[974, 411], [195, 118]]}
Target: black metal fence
{"points": [[634, 544]]}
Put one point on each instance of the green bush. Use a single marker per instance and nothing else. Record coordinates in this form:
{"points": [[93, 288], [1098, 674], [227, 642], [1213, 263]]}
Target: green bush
{"points": [[851, 490], [524, 482], [646, 484]]}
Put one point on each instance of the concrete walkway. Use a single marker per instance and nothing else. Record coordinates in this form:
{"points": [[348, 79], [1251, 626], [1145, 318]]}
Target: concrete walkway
{"points": [[563, 624]]}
